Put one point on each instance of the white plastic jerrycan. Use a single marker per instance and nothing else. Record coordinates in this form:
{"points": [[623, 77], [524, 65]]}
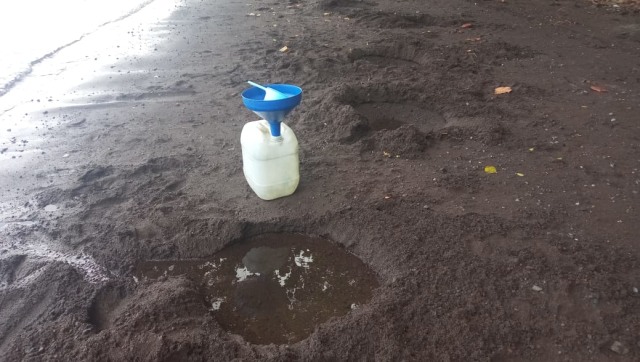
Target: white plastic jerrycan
{"points": [[270, 164]]}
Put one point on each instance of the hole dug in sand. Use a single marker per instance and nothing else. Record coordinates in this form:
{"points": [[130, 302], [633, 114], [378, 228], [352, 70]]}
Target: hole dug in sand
{"points": [[411, 53], [274, 288], [394, 20], [402, 129], [390, 116]]}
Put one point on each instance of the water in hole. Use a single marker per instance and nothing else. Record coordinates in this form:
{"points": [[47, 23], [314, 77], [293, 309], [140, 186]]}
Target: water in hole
{"points": [[274, 288]]}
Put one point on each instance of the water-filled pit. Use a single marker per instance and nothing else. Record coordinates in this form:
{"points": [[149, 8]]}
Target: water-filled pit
{"points": [[274, 288]]}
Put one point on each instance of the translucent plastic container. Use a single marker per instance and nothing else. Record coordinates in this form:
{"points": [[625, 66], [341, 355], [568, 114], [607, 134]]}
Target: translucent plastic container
{"points": [[270, 164]]}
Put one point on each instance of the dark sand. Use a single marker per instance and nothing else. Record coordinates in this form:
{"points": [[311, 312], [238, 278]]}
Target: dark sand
{"points": [[137, 157]]}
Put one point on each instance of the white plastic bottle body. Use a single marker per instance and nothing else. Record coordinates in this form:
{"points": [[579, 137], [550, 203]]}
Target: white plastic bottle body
{"points": [[270, 165]]}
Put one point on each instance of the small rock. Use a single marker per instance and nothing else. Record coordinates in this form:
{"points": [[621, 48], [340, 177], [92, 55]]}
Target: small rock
{"points": [[536, 288], [619, 348], [635, 290]]}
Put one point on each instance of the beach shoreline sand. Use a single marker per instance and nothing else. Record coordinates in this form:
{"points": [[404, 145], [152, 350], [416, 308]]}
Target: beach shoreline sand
{"points": [[122, 149]]}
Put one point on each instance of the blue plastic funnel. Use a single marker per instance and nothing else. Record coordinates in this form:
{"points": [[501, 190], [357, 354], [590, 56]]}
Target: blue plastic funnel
{"points": [[273, 111]]}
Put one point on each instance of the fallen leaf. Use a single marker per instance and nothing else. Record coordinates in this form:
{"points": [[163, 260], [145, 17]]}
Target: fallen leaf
{"points": [[502, 90], [284, 49], [466, 25], [490, 169], [598, 89], [519, 174]]}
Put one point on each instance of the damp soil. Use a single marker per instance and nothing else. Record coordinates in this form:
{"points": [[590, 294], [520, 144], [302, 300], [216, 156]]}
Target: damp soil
{"points": [[114, 163]]}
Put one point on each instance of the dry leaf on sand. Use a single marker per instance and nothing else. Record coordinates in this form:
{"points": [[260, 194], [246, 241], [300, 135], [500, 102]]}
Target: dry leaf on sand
{"points": [[502, 90], [490, 169]]}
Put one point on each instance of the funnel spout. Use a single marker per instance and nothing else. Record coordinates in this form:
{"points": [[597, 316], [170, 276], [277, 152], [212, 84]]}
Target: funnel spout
{"points": [[274, 126]]}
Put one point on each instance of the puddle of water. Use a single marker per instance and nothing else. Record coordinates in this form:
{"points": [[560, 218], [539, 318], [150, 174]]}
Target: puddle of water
{"points": [[274, 288]]}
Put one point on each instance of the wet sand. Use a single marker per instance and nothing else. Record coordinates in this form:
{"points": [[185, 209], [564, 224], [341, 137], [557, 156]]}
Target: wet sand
{"points": [[122, 150]]}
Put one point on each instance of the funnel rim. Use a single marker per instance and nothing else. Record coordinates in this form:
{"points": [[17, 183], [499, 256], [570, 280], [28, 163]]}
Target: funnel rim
{"points": [[252, 98]]}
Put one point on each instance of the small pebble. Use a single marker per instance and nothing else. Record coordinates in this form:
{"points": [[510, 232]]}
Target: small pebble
{"points": [[536, 288], [619, 348]]}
